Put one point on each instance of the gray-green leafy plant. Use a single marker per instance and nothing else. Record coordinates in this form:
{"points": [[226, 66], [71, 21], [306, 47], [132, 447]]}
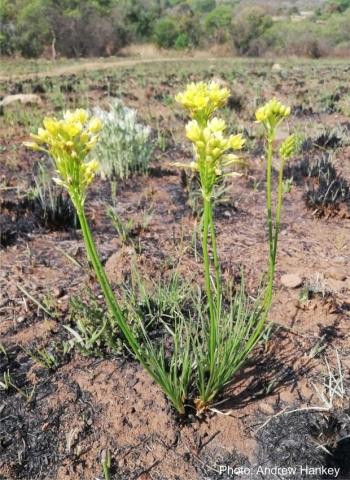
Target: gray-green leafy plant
{"points": [[124, 147]]}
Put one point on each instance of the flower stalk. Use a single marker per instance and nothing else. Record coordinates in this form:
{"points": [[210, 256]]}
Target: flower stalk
{"points": [[68, 142], [209, 356], [229, 337]]}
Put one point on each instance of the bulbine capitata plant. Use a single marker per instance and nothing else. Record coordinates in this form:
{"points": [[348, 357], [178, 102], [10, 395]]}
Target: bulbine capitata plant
{"points": [[206, 353], [227, 335], [69, 142]]}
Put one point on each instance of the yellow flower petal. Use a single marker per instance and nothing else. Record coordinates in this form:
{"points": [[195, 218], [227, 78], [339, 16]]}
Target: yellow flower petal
{"points": [[193, 131], [95, 125]]}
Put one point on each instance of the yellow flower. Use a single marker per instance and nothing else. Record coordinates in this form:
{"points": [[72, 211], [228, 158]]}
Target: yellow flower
{"points": [[210, 147], [51, 125], [272, 113], [208, 134], [202, 99], [72, 129], [89, 170], [79, 115], [95, 125], [217, 125], [236, 142], [68, 141], [193, 131]]}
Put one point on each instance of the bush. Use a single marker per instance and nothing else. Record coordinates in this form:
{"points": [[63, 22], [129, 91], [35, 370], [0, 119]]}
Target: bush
{"points": [[248, 26], [166, 33], [182, 41], [88, 33], [33, 29], [124, 147], [220, 17], [8, 30], [203, 6]]}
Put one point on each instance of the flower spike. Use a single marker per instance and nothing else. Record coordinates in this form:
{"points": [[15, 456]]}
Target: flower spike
{"points": [[68, 141]]}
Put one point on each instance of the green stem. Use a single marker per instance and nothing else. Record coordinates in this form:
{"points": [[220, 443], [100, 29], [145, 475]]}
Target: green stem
{"points": [[278, 210], [216, 262], [156, 371], [105, 285], [270, 139], [269, 192], [212, 315]]}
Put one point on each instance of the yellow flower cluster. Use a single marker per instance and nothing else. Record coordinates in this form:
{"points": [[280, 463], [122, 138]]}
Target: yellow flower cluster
{"points": [[272, 113], [211, 144], [68, 141], [202, 99], [208, 134]]}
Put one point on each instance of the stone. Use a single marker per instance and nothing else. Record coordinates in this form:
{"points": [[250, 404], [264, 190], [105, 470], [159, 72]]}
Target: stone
{"points": [[291, 280], [276, 67], [266, 408], [58, 292], [23, 98], [340, 260], [336, 273]]}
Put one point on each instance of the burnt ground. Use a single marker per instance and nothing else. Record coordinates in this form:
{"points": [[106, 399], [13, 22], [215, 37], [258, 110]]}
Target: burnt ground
{"points": [[57, 423]]}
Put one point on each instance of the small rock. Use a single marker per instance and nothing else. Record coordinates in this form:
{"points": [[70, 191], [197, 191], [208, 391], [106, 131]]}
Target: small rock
{"points": [[58, 292], [339, 260], [336, 273], [21, 318], [291, 280], [24, 98], [266, 408], [276, 67]]}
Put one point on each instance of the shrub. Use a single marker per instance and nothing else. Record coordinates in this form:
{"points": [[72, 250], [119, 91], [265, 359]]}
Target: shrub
{"points": [[124, 147], [203, 6], [247, 26], [32, 29], [166, 32], [218, 18], [182, 41]]}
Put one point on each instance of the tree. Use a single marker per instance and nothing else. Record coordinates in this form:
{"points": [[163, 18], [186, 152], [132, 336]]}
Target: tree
{"points": [[166, 32], [248, 25], [203, 6], [33, 29]]}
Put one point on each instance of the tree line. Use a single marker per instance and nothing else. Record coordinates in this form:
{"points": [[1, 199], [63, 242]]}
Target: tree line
{"points": [[82, 28]]}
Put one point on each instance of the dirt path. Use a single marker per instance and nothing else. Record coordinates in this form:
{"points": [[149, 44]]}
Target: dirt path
{"points": [[90, 66]]}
